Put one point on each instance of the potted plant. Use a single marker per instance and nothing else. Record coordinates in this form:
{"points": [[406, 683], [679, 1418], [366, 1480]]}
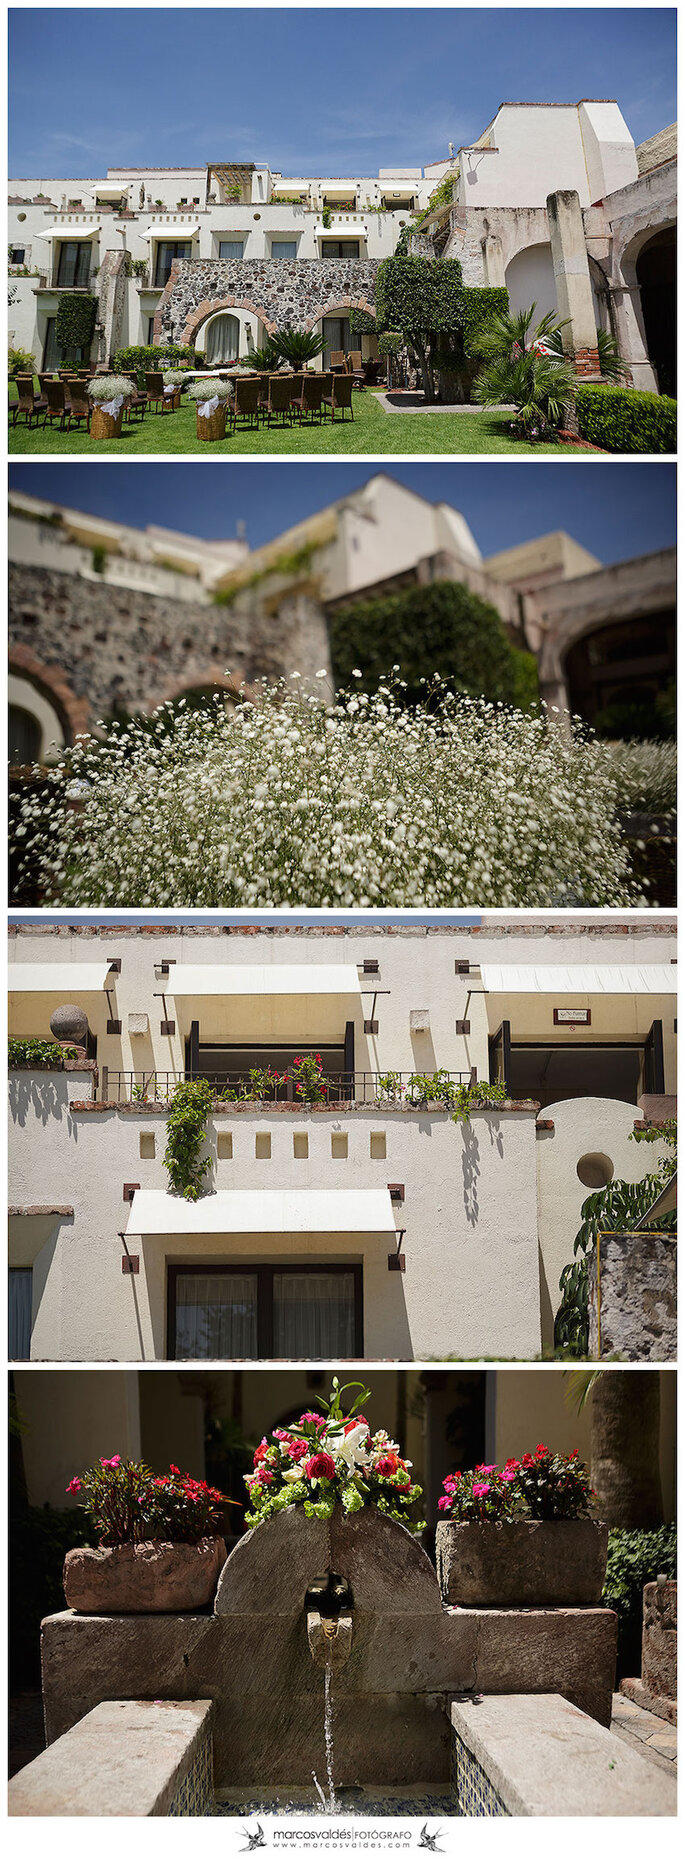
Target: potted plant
{"points": [[330, 1459], [158, 1548], [521, 1535], [210, 396], [109, 394]]}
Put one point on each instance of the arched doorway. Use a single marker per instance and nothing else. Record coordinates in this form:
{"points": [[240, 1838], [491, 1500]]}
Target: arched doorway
{"points": [[621, 677], [222, 342], [655, 267], [529, 278]]}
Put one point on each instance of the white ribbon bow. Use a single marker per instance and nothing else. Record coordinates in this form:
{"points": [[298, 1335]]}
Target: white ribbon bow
{"points": [[112, 407], [209, 407]]}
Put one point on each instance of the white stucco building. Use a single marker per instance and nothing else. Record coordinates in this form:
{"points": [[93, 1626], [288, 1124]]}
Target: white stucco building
{"points": [[192, 254], [369, 1225]]}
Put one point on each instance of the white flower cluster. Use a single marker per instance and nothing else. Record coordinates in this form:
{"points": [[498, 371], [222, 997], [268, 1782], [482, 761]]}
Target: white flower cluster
{"points": [[109, 387], [209, 388], [282, 801], [645, 776]]}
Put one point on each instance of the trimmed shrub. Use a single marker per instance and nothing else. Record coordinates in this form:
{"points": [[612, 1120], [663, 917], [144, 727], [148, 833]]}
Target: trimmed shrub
{"points": [[478, 304], [151, 356], [444, 628], [635, 1557], [419, 294], [621, 420], [75, 322], [362, 323]]}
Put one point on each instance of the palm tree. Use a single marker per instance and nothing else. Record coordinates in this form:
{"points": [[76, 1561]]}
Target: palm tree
{"points": [[298, 346], [519, 370], [624, 1459]]}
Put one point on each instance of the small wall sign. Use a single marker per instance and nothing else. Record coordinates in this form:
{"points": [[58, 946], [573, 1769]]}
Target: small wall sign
{"points": [[572, 1017]]}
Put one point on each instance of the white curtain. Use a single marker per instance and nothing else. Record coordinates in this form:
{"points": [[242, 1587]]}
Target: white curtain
{"points": [[19, 1314], [223, 338], [216, 1315], [314, 1315]]}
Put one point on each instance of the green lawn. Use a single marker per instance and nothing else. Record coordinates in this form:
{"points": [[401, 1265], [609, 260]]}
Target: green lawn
{"points": [[372, 431]]}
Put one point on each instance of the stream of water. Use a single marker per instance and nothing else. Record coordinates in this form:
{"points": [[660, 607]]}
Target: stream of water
{"points": [[330, 1806]]}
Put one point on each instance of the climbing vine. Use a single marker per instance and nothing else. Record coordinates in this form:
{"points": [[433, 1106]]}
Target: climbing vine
{"points": [[75, 323], [191, 1103]]}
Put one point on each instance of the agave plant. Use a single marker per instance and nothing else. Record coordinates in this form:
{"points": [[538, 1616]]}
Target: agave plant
{"points": [[298, 346], [524, 367]]}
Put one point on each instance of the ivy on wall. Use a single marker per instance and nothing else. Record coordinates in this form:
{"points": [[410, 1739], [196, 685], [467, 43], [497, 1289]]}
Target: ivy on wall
{"points": [[445, 627], [186, 1133], [75, 322]]}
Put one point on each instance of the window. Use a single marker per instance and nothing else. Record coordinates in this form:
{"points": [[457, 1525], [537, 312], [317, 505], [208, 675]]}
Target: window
{"points": [[554, 1073], [17, 254], [303, 1313], [340, 248], [231, 248], [19, 1313], [284, 248], [74, 264], [25, 737], [150, 330], [167, 251]]}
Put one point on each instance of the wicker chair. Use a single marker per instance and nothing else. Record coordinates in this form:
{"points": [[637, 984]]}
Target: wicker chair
{"points": [[154, 388], [57, 401], [337, 362], [278, 400], [245, 403], [340, 397], [26, 400], [307, 403], [138, 402], [355, 367], [80, 407]]}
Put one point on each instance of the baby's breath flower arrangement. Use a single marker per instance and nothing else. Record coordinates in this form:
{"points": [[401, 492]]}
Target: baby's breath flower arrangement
{"points": [[283, 801], [209, 388], [110, 387], [330, 1459], [172, 376]]}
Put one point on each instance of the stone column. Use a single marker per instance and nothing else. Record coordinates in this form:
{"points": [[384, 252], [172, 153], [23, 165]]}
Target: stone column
{"points": [[631, 338], [493, 260], [572, 279]]}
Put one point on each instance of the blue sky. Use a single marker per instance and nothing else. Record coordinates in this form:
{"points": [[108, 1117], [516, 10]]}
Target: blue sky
{"points": [[337, 91], [618, 509]]}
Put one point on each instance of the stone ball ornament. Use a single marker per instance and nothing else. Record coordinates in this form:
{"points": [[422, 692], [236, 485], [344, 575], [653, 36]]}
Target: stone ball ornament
{"points": [[69, 1025]]}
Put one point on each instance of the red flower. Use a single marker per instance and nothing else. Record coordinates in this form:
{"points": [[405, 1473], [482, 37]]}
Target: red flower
{"points": [[389, 1464], [540, 1452], [361, 1421], [263, 1477], [74, 1485], [260, 1452], [320, 1466], [176, 1470]]}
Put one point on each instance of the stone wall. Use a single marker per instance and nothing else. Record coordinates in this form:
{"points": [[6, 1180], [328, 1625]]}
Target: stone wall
{"points": [[116, 647], [297, 292], [633, 1312]]}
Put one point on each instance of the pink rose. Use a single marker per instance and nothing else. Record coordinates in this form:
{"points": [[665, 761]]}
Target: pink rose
{"points": [[298, 1450], [263, 1477], [444, 1504]]}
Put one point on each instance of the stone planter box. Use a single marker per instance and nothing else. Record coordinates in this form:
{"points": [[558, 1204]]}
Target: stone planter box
{"points": [[143, 1579], [522, 1563]]}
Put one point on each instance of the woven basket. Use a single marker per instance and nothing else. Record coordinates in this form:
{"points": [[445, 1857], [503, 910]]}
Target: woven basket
{"points": [[102, 426], [215, 426]]}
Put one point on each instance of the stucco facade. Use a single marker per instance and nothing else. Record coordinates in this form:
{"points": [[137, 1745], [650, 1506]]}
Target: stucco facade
{"points": [[450, 1237], [171, 252]]}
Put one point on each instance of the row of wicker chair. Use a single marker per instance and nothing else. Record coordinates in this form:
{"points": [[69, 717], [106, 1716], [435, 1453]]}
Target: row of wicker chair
{"points": [[274, 400]]}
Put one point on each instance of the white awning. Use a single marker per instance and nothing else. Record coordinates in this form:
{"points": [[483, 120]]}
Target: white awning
{"points": [[175, 231], [70, 231], [69, 980], [108, 192], [608, 978], [278, 978], [263, 1211]]}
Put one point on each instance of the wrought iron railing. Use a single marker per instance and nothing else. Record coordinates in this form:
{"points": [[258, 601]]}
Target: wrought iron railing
{"points": [[374, 1088]]}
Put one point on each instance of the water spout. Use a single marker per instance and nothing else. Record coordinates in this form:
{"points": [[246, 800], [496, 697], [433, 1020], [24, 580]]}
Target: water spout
{"points": [[329, 1807], [330, 1639]]}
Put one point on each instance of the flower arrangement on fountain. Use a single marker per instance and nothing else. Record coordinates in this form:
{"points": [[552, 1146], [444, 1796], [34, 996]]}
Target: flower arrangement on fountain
{"points": [[542, 1484], [129, 1504], [330, 1459]]}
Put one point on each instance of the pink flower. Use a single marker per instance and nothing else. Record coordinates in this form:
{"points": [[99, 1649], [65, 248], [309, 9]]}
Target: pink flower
{"points": [[74, 1485], [479, 1491], [508, 1476], [320, 1466], [317, 1419], [298, 1450], [444, 1504], [111, 1464], [263, 1477]]}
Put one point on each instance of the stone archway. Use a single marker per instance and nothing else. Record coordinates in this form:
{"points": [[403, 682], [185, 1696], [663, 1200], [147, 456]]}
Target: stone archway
{"points": [[655, 268]]}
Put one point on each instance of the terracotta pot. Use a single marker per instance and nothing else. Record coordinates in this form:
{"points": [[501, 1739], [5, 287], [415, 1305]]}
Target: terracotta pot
{"points": [[215, 426], [143, 1579], [102, 426], [522, 1563]]}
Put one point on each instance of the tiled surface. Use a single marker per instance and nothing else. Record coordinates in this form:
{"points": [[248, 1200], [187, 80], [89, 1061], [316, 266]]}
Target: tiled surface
{"points": [[369, 1802], [195, 1795], [473, 1790], [649, 1734]]}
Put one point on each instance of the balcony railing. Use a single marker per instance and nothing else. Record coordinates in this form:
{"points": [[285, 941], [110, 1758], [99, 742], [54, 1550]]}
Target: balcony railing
{"points": [[72, 283], [374, 1088]]}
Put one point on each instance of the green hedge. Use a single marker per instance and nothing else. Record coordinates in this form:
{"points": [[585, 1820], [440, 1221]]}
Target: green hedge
{"points": [[635, 1557], [442, 628], [44, 1055], [419, 294], [150, 356], [74, 323], [621, 420], [362, 323], [478, 304]]}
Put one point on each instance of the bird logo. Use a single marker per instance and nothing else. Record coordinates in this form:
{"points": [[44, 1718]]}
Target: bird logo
{"points": [[430, 1841], [254, 1840]]}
